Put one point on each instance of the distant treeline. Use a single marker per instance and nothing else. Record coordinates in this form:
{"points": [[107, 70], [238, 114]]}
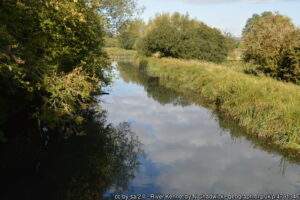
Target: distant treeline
{"points": [[270, 41], [178, 36]]}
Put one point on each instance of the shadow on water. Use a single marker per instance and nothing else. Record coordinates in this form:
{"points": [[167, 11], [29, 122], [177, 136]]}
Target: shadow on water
{"points": [[164, 95], [156, 89], [80, 167]]}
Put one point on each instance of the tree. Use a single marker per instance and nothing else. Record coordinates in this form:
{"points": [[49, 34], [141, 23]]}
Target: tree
{"points": [[176, 35], [253, 19], [130, 33], [51, 61], [52, 64], [116, 12], [270, 40]]}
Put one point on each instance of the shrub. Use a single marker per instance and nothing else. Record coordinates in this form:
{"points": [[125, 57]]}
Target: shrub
{"points": [[289, 65], [41, 40], [178, 36], [272, 41], [130, 33]]}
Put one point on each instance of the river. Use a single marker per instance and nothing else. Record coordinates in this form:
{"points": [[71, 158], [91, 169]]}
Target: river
{"points": [[188, 148]]}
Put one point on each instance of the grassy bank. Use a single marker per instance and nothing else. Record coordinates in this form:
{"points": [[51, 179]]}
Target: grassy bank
{"points": [[266, 108], [116, 53]]}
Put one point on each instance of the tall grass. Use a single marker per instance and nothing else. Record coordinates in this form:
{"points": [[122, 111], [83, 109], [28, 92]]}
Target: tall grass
{"points": [[118, 54], [266, 108]]}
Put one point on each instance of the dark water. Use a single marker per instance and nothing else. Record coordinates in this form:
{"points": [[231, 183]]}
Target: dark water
{"points": [[81, 166], [188, 149]]}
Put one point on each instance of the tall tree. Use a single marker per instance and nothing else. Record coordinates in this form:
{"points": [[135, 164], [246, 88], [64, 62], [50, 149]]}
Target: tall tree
{"points": [[179, 36], [270, 40], [130, 33], [51, 59], [116, 12]]}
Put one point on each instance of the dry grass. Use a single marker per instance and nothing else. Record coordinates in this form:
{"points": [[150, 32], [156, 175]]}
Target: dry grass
{"points": [[117, 54]]}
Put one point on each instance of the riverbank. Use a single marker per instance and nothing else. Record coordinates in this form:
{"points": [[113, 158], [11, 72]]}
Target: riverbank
{"points": [[115, 53], [266, 108]]}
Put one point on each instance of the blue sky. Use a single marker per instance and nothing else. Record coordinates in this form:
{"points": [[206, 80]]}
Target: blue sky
{"points": [[227, 15]]}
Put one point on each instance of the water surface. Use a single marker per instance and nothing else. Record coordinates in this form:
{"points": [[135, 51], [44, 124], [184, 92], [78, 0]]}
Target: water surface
{"points": [[188, 149]]}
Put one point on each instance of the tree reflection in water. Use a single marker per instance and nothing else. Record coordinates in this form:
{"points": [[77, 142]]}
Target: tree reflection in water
{"points": [[162, 92], [154, 89], [80, 167]]}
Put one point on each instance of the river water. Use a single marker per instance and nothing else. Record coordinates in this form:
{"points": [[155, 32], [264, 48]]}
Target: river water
{"points": [[188, 148]]}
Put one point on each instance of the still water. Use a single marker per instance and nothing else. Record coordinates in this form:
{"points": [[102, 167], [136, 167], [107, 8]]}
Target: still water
{"points": [[188, 148]]}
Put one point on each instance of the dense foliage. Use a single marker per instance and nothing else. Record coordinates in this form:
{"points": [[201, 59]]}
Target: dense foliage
{"points": [[51, 57], [130, 33], [116, 12], [272, 41], [52, 64], [51, 60], [178, 36]]}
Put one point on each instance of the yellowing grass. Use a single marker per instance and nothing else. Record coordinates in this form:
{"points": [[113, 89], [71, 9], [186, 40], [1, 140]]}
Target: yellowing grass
{"points": [[265, 107], [117, 54]]}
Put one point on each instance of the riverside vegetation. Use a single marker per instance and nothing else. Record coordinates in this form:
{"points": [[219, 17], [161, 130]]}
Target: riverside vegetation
{"points": [[54, 137], [55, 142], [269, 43], [265, 107], [167, 94], [244, 91]]}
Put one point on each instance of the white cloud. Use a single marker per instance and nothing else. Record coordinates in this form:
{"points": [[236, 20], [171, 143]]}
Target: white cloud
{"points": [[191, 152]]}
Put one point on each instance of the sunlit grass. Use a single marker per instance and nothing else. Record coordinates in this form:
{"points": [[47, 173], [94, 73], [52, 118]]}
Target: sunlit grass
{"points": [[116, 53], [267, 108]]}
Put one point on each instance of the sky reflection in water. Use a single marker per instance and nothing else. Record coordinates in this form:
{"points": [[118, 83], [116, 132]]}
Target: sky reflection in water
{"points": [[188, 152]]}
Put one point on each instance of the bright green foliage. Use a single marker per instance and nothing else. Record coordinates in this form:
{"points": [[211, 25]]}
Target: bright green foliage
{"points": [[42, 45], [70, 93], [272, 41], [130, 33], [179, 36]]}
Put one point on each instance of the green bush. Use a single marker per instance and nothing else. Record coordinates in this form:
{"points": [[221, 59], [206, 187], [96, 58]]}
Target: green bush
{"points": [[47, 40], [272, 41], [130, 33], [178, 36]]}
